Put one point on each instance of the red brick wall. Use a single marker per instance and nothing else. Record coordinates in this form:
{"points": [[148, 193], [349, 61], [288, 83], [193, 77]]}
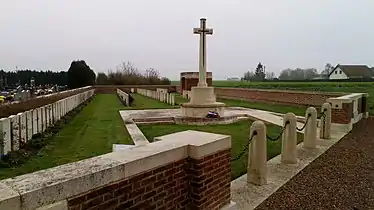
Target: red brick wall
{"points": [[278, 96], [184, 184], [342, 116]]}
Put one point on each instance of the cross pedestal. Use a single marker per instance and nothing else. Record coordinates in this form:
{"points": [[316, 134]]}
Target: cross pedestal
{"points": [[203, 98]]}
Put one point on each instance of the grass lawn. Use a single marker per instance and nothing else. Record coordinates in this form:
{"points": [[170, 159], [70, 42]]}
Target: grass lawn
{"points": [[143, 102], [239, 132], [92, 132]]}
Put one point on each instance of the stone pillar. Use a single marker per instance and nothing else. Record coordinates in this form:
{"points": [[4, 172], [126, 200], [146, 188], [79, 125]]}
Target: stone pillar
{"points": [[14, 120], [289, 139], [34, 121], [29, 124], [325, 128], [6, 145], [22, 126], [257, 157], [310, 133]]}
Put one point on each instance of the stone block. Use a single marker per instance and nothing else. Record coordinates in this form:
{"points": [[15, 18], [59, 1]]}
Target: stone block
{"points": [[14, 120], [22, 126], [29, 124], [35, 121], [6, 145]]}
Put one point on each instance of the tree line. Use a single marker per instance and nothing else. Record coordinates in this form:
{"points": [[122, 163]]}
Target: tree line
{"points": [[127, 74], [259, 74], [80, 74]]}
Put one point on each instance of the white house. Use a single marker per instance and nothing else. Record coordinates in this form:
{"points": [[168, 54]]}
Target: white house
{"points": [[350, 72]]}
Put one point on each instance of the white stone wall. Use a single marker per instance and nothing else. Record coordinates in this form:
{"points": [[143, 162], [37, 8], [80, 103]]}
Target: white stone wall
{"points": [[22, 126], [162, 96], [124, 97]]}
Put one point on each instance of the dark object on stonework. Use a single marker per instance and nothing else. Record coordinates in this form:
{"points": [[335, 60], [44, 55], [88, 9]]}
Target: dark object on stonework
{"points": [[212, 115], [131, 100]]}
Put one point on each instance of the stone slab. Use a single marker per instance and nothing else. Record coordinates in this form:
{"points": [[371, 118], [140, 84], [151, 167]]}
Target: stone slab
{"points": [[120, 147]]}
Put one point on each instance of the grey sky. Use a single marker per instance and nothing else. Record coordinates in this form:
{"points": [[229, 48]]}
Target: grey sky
{"points": [[49, 34]]}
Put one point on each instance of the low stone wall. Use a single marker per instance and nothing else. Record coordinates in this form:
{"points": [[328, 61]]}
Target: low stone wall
{"points": [[349, 109], [127, 88], [276, 96], [159, 95], [18, 129], [124, 97], [186, 170], [20, 106]]}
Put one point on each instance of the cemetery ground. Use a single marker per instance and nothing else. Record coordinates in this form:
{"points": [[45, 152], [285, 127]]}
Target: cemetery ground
{"points": [[99, 125], [239, 132], [299, 111], [92, 132]]}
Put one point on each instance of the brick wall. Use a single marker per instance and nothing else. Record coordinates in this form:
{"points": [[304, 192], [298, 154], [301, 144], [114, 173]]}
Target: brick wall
{"points": [[161, 188], [210, 180], [187, 83], [276, 96], [185, 184], [343, 115]]}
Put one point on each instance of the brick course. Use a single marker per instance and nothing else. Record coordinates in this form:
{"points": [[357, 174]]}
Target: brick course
{"points": [[276, 96], [184, 184], [342, 116]]}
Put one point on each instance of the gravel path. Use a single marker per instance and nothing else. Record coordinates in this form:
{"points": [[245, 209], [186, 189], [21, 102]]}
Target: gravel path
{"points": [[341, 178]]}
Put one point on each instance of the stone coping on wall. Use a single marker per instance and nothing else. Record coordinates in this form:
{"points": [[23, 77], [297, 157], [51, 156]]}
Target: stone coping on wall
{"points": [[52, 185], [347, 98]]}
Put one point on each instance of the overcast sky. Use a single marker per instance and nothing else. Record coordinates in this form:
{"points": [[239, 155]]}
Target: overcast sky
{"points": [[49, 34]]}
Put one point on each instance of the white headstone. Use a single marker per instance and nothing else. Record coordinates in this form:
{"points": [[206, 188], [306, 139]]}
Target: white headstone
{"points": [[23, 126], [34, 121], [6, 136], [29, 124], [40, 120], [14, 120]]}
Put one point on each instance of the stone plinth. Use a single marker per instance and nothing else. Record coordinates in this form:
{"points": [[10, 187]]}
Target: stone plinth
{"points": [[202, 101]]}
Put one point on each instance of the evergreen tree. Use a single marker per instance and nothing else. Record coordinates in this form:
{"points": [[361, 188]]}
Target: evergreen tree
{"points": [[260, 72], [80, 75]]}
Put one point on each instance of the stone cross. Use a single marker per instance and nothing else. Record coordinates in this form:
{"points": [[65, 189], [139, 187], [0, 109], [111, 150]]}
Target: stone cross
{"points": [[203, 31]]}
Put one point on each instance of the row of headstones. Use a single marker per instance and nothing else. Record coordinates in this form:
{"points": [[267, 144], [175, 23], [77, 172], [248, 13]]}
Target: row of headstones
{"points": [[186, 94], [123, 96], [166, 97], [257, 162], [21, 127]]}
